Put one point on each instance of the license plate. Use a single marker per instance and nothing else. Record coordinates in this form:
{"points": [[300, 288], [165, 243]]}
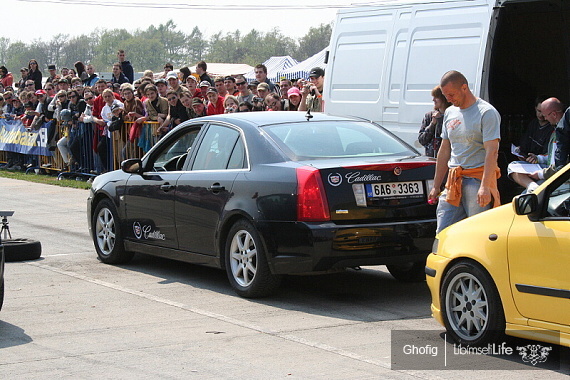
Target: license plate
{"points": [[394, 189]]}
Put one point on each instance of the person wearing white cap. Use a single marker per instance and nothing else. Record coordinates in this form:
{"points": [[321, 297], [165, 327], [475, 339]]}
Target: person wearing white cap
{"points": [[173, 82]]}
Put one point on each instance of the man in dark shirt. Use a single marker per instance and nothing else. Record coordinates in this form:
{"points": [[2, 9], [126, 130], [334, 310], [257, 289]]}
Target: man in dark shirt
{"points": [[201, 68], [126, 66], [535, 141]]}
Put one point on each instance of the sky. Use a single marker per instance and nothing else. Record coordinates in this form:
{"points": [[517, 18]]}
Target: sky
{"points": [[43, 19]]}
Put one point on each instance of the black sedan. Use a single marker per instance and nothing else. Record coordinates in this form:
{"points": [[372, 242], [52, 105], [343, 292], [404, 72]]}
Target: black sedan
{"points": [[265, 194]]}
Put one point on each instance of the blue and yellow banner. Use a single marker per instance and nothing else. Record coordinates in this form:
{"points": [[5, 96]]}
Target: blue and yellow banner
{"points": [[14, 137]]}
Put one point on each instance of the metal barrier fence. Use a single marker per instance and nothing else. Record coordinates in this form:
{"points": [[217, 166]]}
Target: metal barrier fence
{"points": [[93, 153]]}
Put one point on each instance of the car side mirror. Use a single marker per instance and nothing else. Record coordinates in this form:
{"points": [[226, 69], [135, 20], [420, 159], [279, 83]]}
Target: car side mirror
{"points": [[525, 204], [132, 166]]}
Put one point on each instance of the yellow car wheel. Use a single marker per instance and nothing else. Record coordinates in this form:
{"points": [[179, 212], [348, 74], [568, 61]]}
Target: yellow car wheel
{"points": [[471, 306]]}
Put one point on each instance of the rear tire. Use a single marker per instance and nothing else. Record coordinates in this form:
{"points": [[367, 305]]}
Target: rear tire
{"points": [[21, 249], [107, 234], [246, 263], [408, 272]]}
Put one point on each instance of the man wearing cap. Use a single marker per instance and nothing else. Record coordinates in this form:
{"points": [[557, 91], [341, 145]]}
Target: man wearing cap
{"points": [[173, 82], [192, 87], [263, 90], [162, 87], [21, 84], [215, 102], [261, 75], [204, 86], [312, 92], [220, 86], [201, 69], [52, 74], [198, 107], [42, 108], [62, 84]]}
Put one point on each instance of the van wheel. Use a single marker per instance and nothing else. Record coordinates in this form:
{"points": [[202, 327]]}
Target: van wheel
{"points": [[471, 307], [408, 272], [246, 262], [107, 234], [21, 249]]}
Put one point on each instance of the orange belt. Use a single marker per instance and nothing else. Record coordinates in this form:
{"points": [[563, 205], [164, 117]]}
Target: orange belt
{"points": [[455, 180]]}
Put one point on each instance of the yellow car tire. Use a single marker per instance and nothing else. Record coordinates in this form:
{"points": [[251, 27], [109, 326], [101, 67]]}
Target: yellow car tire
{"points": [[471, 306]]}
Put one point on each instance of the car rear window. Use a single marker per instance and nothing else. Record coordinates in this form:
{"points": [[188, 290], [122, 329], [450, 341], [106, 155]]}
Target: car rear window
{"points": [[335, 139]]}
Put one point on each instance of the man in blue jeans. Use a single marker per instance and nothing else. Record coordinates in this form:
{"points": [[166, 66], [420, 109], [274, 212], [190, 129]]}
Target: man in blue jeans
{"points": [[468, 154]]}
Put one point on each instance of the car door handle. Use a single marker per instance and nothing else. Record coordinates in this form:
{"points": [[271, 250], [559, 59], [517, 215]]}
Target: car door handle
{"points": [[216, 188], [166, 187]]}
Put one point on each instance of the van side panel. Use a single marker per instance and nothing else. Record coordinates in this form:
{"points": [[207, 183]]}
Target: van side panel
{"points": [[422, 42], [361, 38]]}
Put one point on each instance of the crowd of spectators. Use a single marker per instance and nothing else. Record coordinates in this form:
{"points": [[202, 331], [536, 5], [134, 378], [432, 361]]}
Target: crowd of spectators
{"points": [[77, 94]]}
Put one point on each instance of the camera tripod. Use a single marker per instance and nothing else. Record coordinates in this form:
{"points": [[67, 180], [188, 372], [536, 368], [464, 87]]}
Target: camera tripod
{"points": [[5, 225]]}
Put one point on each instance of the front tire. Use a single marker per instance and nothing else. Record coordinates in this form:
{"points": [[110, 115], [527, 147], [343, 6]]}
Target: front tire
{"points": [[107, 234], [471, 306], [246, 262]]}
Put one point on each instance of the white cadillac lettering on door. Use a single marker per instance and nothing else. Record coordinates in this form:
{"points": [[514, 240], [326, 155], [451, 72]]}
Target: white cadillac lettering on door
{"points": [[145, 232]]}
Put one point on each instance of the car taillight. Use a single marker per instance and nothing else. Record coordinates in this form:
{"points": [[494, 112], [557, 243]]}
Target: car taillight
{"points": [[312, 205]]}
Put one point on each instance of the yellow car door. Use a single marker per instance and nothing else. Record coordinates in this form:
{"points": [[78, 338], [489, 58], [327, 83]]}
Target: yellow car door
{"points": [[539, 259]]}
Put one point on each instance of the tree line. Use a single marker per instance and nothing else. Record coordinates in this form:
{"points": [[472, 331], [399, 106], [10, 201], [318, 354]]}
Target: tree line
{"points": [[153, 47]]}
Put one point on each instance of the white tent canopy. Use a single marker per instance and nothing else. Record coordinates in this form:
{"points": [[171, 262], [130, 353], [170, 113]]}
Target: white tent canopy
{"points": [[224, 69], [302, 69], [217, 69], [274, 66]]}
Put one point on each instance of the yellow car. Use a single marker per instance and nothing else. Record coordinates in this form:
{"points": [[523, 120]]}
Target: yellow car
{"points": [[507, 270]]}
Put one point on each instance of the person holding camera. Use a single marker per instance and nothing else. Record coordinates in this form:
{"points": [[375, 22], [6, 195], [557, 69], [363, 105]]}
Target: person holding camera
{"points": [[312, 92]]}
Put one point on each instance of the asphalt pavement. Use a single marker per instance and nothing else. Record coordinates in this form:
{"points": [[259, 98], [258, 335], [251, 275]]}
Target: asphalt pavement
{"points": [[68, 316]]}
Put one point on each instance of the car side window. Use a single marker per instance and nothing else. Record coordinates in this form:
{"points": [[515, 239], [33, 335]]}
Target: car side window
{"points": [[216, 148], [559, 201], [173, 155], [237, 159]]}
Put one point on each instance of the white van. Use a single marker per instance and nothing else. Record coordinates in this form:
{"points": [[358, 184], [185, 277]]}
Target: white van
{"points": [[384, 59]]}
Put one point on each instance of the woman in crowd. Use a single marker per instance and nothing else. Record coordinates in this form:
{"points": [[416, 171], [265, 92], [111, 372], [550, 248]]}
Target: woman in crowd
{"points": [[245, 107], [156, 107], [430, 130], [6, 77], [184, 74], [81, 71], [231, 104], [133, 106], [34, 73], [294, 96]]}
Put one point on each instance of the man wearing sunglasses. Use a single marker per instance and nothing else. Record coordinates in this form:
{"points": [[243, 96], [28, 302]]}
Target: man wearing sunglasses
{"points": [[245, 94]]}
